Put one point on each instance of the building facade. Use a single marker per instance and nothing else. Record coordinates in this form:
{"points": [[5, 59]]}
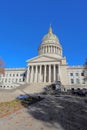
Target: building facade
{"points": [[49, 66], [12, 77]]}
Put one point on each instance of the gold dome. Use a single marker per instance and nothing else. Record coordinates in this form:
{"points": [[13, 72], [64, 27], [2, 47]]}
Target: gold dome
{"points": [[50, 36]]}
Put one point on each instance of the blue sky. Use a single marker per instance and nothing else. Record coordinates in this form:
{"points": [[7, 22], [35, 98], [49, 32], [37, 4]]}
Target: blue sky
{"points": [[23, 23]]}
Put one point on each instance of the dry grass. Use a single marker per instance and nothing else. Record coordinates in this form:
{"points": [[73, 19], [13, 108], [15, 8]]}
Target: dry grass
{"points": [[7, 108]]}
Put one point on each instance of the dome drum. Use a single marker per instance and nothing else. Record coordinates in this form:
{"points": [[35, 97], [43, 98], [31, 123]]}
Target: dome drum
{"points": [[50, 49]]}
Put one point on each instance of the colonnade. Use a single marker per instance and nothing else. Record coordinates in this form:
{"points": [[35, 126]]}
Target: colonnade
{"points": [[43, 73], [50, 49]]}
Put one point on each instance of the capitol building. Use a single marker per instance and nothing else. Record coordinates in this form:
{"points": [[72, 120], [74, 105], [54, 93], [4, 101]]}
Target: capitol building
{"points": [[49, 66]]}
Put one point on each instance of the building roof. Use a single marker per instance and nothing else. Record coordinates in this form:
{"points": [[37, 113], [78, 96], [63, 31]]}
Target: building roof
{"points": [[50, 36]]}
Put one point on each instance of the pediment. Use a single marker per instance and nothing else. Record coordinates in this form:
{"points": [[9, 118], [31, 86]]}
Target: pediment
{"points": [[42, 59]]}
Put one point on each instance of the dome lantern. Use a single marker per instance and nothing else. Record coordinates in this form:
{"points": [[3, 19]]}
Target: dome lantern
{"points": [[50, 30]]}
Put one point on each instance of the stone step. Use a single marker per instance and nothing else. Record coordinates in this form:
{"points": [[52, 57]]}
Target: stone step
{"points": [[34, 87]]}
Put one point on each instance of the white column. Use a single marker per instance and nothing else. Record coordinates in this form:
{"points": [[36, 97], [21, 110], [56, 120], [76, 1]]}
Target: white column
{"points": [[57, 51], [32, 74], [43, 49], [61, 52], [54, 73], [48, 49], [44, 73], [54, 49], [40, 77], [51, 49], [49, 73], [59, 73], [28, 74], [36, 74]]}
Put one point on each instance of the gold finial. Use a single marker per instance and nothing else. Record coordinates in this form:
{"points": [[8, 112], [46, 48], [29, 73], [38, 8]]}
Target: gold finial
{"points": [[50, 29]]}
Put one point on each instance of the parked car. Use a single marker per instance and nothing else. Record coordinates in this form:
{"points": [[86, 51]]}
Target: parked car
{"points": [[84, 90], [20, 97], [78, 92]]}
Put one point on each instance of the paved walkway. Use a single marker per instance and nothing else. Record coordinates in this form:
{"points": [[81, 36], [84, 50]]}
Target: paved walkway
{"points": [[24, 120], [53, 113]]}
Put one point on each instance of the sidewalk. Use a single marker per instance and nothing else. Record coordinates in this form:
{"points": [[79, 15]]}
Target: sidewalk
{"points": [[22, 120]]}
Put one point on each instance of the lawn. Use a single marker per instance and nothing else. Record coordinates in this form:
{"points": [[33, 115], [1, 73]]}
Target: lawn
{"points": [[7, 108]]}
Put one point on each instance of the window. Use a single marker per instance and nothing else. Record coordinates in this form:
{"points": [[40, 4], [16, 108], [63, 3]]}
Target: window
{"points": [[72, 81], [16, 80], [83, 81], [77, 74], [13, 75], [16, 74], [12, 80], [19, 80], [21, 74], [71, 74], [82, 74], [3, 75], [2, 80], [77, 81], [5, 80]]}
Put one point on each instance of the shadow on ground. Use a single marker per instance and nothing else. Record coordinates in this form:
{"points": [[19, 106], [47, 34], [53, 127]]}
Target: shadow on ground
{"points": [[65, 112]]}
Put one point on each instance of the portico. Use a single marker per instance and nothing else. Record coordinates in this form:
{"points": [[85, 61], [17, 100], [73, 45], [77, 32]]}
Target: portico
{"points": [[43, 73]]}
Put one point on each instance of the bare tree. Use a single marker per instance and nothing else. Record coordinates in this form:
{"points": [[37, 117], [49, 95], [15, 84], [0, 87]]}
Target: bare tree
{"points": [[2, 67]]}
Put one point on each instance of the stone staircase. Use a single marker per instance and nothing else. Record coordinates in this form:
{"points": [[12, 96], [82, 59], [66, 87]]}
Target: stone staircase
{"points": [[33, 87]]}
